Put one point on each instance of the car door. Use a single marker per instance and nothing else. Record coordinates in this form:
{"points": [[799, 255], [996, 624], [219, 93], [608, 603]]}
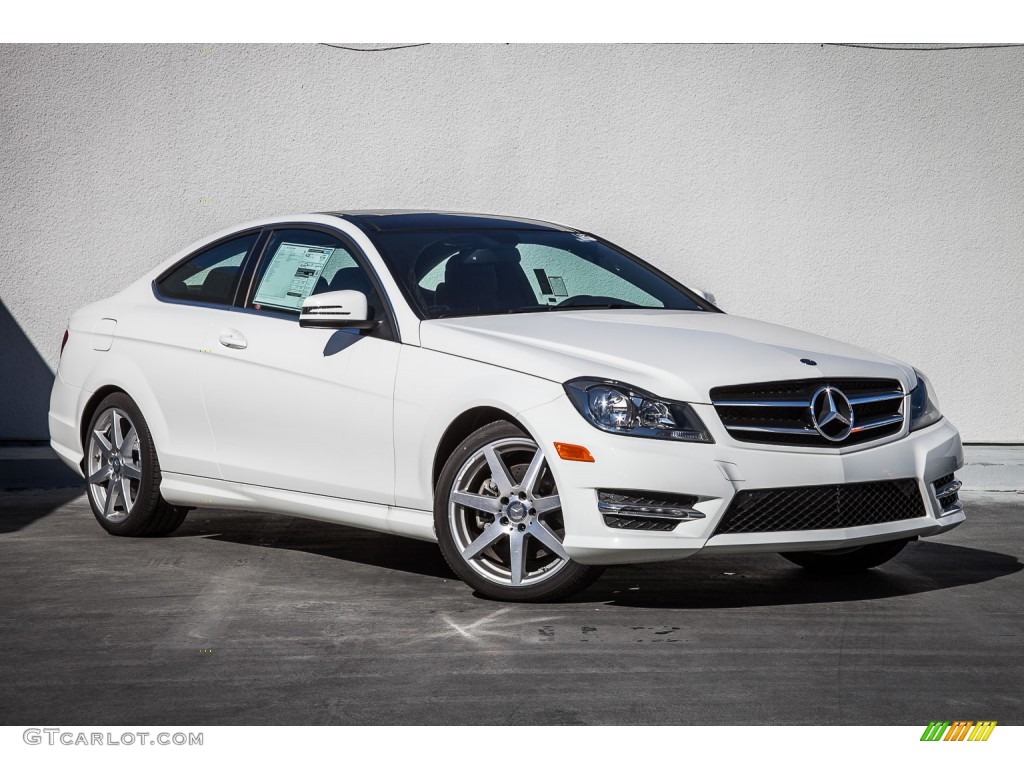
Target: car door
{"points": [[304, 409], [166, 338]]}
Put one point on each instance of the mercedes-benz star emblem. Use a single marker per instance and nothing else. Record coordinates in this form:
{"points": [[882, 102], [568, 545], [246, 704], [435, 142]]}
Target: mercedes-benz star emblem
{"points": [[831, 414]]}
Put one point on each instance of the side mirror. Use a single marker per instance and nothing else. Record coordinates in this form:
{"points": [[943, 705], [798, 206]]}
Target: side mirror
{"points": [[336, 309], [707, 296]]}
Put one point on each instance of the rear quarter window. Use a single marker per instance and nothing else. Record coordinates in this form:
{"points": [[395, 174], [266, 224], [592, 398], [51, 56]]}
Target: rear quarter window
{"points": [[211, 276]]}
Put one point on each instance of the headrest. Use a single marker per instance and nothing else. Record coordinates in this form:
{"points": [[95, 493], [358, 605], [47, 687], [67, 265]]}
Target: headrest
{"points": [[500, 255]]}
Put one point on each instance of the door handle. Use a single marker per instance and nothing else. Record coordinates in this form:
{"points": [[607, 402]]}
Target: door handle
{"points": [[229, 337]]}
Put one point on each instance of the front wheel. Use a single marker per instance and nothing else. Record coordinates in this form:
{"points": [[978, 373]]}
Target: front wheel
{"points": [[846, 560], [499, 520]]}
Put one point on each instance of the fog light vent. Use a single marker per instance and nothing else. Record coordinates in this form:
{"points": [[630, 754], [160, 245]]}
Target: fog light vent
{"points": [[947, 492], [646, 511]]}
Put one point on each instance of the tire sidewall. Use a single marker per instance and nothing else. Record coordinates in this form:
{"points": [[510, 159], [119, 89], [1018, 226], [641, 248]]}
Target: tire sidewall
{"points": [[570, 578], [149, 486]]}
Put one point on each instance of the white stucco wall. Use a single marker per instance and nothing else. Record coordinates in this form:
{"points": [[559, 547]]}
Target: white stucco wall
{"points": [[872, 196]]}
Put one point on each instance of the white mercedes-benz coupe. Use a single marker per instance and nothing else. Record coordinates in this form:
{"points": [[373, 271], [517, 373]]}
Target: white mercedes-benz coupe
{"points": [[532, 397]]}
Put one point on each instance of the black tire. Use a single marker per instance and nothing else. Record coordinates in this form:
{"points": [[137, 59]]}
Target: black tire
{"points": [[847, 561], [530, 521], [141, 510]]}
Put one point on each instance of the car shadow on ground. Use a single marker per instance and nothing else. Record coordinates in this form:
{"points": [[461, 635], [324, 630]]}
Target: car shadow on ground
{"points": [[341, 542], [717, 581], [701, 582], [21, 508]]}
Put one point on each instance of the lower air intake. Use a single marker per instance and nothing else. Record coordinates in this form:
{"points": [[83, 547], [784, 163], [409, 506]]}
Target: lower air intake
{"points": [[822, 507]]}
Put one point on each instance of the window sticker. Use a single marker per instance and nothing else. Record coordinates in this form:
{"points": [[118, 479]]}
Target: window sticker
{"points": [[291, 275], [557, 285]]}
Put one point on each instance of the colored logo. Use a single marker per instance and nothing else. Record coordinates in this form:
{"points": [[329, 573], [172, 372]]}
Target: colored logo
{"points": [[959, 730]]}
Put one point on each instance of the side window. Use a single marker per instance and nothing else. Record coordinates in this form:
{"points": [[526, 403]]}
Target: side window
{"points": [[298, 263], [211, 275]]}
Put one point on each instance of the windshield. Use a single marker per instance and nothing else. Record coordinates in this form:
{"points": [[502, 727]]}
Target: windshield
{"points": [[502, 271]]}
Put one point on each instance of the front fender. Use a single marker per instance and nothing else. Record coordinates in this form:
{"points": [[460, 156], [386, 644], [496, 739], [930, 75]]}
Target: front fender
{"points": [[432, 390]]}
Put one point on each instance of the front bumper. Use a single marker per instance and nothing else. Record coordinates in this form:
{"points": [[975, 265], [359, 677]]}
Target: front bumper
{"points": [[715, 472]]}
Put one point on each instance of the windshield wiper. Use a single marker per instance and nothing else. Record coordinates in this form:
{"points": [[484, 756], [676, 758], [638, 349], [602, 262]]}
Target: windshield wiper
{"points": [[524, 310], [490, 312], [571, 307], [567, 308], [541, 308]]}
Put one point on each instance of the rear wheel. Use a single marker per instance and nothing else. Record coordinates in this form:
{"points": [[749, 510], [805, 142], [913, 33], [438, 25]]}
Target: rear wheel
{"points": [[499, 520], [847, 560], [123, 472]]}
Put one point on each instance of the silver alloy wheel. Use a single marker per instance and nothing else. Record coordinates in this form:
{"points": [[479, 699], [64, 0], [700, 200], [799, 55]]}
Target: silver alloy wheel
{"points": [[114, 465], [505, 515]]}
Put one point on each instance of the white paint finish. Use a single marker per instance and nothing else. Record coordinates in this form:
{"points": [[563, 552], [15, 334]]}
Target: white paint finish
{"points": [[678, 355], [157, 358], [343, 306], [871, 196], [208, 493], [687, 468], [999, 469], [64, 421], [103, 334], [247, 408], [433, 389], [303, 409]]}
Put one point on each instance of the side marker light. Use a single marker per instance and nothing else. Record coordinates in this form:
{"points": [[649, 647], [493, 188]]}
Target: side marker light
{"points": [[571, 452]]}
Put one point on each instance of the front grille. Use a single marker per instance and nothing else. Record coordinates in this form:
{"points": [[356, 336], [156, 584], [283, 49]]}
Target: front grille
{"points": [[780, 412], [822, 507]]}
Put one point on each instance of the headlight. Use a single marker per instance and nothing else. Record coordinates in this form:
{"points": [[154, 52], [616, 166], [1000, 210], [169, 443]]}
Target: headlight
{"points": [[924, 408], [625, 410]]}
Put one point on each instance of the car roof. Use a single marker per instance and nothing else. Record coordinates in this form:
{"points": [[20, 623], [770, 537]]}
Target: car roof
{"points": [[398, 220]]}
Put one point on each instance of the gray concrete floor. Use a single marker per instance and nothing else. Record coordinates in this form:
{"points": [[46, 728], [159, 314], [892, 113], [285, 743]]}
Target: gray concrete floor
{"points": [[242, 618]]}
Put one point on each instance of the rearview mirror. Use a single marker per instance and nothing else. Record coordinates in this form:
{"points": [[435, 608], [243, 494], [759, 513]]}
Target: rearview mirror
{"points": [[336, 309]]}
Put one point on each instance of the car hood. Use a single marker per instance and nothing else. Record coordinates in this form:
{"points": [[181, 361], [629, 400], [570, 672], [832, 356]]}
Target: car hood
{"points": [[675, 354]]}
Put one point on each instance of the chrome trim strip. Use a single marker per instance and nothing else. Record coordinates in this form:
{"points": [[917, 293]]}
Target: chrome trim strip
{"points": [[876, 398], [780, 430], [957, 507], [324, 309], [804, 403], [661, 513], [761, 403], [948, 490], [882, 422]]}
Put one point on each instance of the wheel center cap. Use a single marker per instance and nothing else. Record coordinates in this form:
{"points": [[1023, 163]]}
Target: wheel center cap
{"points": [[517, 511]]}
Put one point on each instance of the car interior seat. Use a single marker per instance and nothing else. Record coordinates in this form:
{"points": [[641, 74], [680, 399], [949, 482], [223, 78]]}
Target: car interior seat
{"points": [[219, 283], [485, 278]]}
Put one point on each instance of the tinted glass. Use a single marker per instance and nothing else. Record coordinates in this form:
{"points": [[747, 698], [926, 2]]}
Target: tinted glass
{"points": [[491, 271], [212, 275]]}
